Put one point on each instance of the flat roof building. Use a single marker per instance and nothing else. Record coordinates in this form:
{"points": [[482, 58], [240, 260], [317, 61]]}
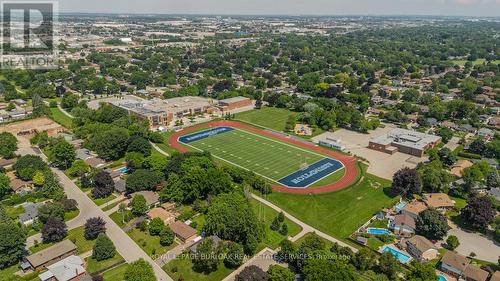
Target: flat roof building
{"points": [[162, 112], [404, 141]]}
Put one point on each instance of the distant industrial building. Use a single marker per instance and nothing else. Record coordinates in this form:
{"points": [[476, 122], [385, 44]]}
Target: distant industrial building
{"points": [[228, 105], [404, 141]]}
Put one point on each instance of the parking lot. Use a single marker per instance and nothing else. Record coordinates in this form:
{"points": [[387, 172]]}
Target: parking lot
{"points": [[381, 164]]}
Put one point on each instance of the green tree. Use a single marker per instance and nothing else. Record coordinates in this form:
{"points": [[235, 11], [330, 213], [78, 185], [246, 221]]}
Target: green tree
{"points": [[323, 266], [279, 273], [78, 168], [4, 185], [231, 217], [139, 144], [12, 244], [432, 224], [421, 272], [156, 226], [103, 248], [452, 242], [110, 144], [365, 259], [51, 210], [479, 212], [206, 259], [389, 265], [39, 178], [139, 270], [139, 205], [69, 101], [142, 180], [8, 145], [167, 237], [62, 154], [27, 166], [234, 255]]}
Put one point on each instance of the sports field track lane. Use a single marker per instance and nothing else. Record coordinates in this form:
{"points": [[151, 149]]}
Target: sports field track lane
{"points": [[349, 162]]}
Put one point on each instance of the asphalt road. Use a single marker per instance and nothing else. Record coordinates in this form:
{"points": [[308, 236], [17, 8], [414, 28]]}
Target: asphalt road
{"points": [[127, 248]]}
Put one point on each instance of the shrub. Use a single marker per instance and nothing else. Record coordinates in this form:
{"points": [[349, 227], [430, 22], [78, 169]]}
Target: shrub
{"points": [[103, 248]]}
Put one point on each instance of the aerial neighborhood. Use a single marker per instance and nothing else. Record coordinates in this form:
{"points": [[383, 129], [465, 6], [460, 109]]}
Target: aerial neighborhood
{"points": [[279, 148]]}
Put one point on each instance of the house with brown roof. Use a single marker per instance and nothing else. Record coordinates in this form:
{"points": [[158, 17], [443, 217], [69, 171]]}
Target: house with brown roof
{"points": [[454, 264], [495, 276], [163, 214], [183, 231], [414, 208], [474, 273], [41, 260], [18, 185], [95, 162], [421, 248], [403, 224], [6, 163], [439, 201], [152, 198], [459, 167]]}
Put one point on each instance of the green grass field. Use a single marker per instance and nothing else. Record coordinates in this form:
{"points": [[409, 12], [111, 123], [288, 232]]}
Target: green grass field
{"points": [[58, 116], [269, 158], [476, 62], [269, 117], [338, 213]]}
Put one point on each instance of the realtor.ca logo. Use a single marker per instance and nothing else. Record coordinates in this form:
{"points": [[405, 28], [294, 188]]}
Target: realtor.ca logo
{"points": [[28, 35]]}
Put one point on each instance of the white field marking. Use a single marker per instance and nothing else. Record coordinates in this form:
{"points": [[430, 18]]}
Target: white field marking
{"points": [[326, 176], [232, 163], [280, 148]]}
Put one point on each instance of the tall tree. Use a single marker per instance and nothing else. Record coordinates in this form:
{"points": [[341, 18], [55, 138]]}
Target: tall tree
{"points": [[479, 212], [12, 243], [94, 227], [62, 154], [432, 224], [251, 273], [103, 248], [54, 230], [103, 185], [139, 270], [8, 145], [407, 182]]}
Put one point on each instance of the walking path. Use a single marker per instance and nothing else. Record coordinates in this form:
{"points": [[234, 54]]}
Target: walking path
{"points": [[159, 149], [305, 227], [64, 111]]}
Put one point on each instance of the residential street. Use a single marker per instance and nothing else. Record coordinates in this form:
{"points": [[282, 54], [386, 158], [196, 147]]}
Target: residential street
{"points": [[127, 248]]}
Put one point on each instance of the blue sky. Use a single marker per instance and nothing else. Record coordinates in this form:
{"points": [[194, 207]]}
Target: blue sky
{"points": [[289, 7]]}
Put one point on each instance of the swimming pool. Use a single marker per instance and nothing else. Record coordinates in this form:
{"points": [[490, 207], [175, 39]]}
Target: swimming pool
{"points": [[441, 278], [122, 170], [400, 206], [402, 258], [377, 231]]}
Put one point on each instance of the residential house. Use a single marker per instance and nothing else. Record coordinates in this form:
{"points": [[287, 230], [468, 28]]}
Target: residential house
{"points": [[486, 133], [459, 166], [169, 206], [152, 198], [183, 231], [30, 214], [41, 260], [163, 214], [18, 185], [474, 273], [83, 154], [120, 185], [6, 163], [95, 162], [495, 276], [68, 269], [439, 201], [403, 224], [421, 248], [414, 208], [495, 192], [454, 264], [216, 240]]}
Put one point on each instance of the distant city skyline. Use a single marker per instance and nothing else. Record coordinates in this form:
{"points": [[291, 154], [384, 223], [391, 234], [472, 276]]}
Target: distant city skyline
{"points": [[287, 7]]}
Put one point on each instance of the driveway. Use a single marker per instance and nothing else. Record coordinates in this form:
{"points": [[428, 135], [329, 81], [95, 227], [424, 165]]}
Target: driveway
{"points": [[484, 247]]}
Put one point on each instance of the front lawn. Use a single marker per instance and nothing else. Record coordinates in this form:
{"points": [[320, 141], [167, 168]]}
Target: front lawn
{"points": [[339, 213], [150, 244], [76, 236], [121, 218], [117, 273], [95, 266], [102, 201], [71, 215], [181, 268], [8, 274]]}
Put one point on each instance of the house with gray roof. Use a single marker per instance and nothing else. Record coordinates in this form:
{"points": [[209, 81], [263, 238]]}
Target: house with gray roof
{"points": [[30, 214]]}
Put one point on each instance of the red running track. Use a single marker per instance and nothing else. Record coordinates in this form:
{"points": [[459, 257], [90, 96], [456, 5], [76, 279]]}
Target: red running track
{"points": [[349, 162]]}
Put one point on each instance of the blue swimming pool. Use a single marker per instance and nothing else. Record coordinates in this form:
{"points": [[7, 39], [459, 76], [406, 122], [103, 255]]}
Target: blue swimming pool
{"points": [[377, 231], [402, 258], [122, 170], [400, 206], [441, 278]]}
